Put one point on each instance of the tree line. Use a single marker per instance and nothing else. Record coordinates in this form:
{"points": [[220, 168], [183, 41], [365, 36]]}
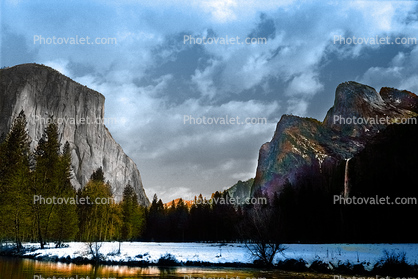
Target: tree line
{"points": [[303, 212], [202, 221]]}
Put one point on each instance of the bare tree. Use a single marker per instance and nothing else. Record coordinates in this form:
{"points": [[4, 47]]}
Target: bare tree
{"points": [[93, 248], [260, 234]]}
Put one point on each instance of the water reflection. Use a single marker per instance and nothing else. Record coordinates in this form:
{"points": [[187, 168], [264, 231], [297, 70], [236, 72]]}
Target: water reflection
{"points": [[16, 268]]}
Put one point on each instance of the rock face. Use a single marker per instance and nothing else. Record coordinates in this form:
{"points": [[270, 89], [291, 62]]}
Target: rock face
{"points": [[42, 92], [300, 144], [241, 190]]}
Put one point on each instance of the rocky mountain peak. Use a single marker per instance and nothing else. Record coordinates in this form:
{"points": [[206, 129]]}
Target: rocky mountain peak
{"points": [[352, 95], [353, 99]]}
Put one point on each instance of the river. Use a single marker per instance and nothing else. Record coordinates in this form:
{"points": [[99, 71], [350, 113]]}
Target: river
{"points": [[17, 268]]}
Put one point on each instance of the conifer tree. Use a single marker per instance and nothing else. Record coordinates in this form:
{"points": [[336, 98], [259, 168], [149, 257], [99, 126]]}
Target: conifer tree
{"points": [[96, 211], [156, 220], [50, 180], [14, 182], [182, 219], [64, 220], [133, 216]]}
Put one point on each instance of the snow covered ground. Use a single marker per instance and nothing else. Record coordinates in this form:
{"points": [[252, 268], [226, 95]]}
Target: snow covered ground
{"points": [[229, 253]]}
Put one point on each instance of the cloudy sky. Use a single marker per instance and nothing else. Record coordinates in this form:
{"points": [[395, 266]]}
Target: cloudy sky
{"points": [[152, 79]]}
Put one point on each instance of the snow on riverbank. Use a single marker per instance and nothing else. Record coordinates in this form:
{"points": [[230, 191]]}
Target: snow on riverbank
{"points": [[226, 253]]}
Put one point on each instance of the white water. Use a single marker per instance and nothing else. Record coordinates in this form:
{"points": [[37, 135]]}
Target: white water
{"points": [[346, 185]]}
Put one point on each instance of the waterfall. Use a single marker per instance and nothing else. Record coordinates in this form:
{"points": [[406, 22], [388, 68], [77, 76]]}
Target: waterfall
{"points": [[346, 187]]}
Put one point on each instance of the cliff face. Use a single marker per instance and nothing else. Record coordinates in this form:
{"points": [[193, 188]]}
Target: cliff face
{"points": [[42, 92], [302, 145], [241, 190]]}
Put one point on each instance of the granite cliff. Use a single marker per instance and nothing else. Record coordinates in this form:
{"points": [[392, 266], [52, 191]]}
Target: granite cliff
{"points": [[42, 92]]}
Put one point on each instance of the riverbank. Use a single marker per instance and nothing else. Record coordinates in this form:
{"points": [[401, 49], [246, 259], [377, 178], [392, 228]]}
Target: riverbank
{"points": [[346, 259]]}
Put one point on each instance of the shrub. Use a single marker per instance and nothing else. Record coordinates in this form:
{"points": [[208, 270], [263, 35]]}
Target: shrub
{"points": [[319, 266], [343, 268], [393, 264], [168, 260], [298, 265], [359, 269]]}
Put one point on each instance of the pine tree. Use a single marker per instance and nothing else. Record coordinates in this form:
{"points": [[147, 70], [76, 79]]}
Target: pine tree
{"points": [[50, 180], [64, 220], [156, 220], [14, 182], [95, 213], [133, 216], [182, 219], [98, 175], [3, 190]]}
